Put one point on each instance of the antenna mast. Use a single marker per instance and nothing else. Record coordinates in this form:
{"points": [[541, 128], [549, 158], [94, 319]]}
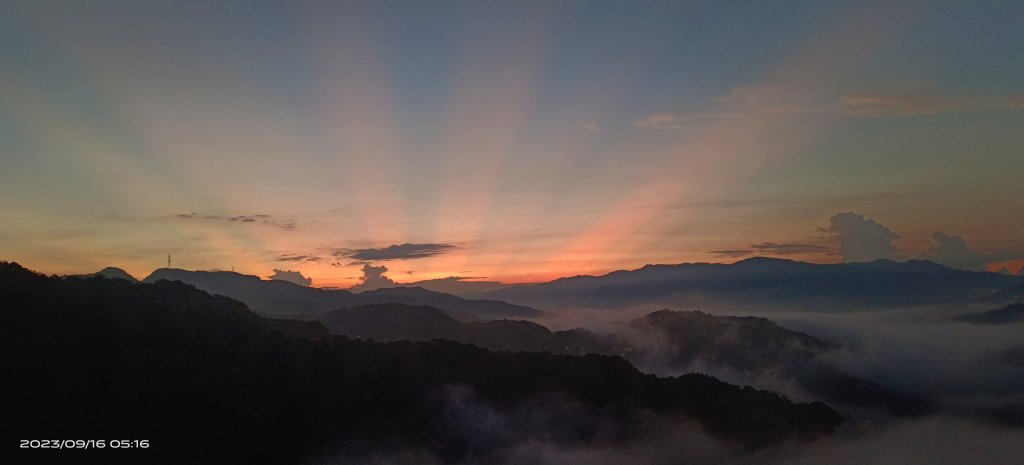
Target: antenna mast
{"points": [[168, 260]]}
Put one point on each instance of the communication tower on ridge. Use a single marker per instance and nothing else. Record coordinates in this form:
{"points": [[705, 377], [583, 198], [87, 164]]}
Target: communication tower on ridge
{"points": [[168, 260]]}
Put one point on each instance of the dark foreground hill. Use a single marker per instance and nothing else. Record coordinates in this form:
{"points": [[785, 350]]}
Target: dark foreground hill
{"points": [[205, 380], [289, 300], [766, 283]]}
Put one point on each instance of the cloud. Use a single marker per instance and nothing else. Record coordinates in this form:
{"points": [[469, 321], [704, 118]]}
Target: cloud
{"points": [[395, 252], [291, 276], [862, 239], [285, 224], [196, 216], [772, 248], [901, 103], [661, 120], [373, 278], [787, 249], [753, 101], [743, 95], [590, 126], [732, 253], [298, 258], [741, 102], [893, 103], [953, 251]]}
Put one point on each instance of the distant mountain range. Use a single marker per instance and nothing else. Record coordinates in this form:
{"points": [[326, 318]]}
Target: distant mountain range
{"points": [[286, 299], [764, 283]]}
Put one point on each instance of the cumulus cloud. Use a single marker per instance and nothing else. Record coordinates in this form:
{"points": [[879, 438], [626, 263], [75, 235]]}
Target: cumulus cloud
{"points": [[291, 276], [953, 251], [863, 239], [373, 278], [395, 252]]}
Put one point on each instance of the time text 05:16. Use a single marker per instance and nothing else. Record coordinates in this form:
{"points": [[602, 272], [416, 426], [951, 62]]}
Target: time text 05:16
{"points": [[84, 443]]}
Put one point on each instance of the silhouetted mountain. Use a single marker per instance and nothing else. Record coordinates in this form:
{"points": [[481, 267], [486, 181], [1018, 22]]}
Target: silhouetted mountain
{"points": [[680, 339], [117, 273], [1010, 294], [205, 380], [659, 342], [752, 348], [109, 272], [1013, 313], [765, 283], [456, 285], [397, 322], [487, 309], [393, 322], [282, 298]]}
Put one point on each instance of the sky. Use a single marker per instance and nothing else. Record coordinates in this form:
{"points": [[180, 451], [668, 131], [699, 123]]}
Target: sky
{"points": [[508, 141]]}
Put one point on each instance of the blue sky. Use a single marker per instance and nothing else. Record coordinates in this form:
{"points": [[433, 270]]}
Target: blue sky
{"points": [[537, 139]]}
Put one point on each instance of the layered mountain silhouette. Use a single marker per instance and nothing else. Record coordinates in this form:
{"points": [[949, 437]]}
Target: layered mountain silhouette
{"points": [[663, 341], [397, 322], [206, 380], [1013, 313], [286, 299], [1010, 294], [765, 283]]}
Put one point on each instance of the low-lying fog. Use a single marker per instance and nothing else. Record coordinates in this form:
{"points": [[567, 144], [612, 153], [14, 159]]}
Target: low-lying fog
{"points": [[975, 372]]}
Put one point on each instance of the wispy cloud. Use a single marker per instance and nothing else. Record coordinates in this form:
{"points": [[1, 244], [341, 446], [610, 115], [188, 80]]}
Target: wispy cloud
{"points": [[296, 258], [662, 120], [753, 101], [732, 253], [772, 248], [903, 103], [285, 224], [590, 126], [787, 249], [395, 252]]}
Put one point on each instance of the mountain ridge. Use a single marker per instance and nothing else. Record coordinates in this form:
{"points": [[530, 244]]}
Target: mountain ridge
{"points": [[287, 299], [764, 282]]}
